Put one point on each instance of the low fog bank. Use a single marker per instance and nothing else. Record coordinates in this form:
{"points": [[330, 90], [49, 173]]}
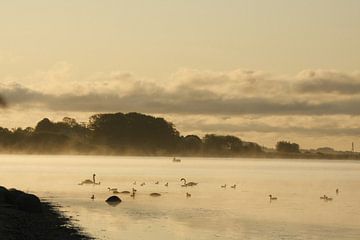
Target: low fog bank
{"points": [[141, 135]]}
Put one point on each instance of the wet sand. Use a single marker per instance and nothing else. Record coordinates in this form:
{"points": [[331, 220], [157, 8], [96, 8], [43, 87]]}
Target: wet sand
{"points": [[48, 225]]}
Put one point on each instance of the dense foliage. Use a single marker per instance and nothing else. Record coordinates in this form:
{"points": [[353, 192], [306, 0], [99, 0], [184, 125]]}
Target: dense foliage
{"points": [[287, 147], [118, 133]]}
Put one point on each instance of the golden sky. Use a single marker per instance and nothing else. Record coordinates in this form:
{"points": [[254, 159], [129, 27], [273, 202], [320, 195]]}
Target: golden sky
{"points": [[262, 70]]}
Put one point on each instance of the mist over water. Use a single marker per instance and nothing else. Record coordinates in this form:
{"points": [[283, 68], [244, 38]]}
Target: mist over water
{"points": [[211, 212]]}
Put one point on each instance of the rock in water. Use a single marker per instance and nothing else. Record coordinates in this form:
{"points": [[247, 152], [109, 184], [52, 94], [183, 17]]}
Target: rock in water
{"points": [[155, 194], [12, 195], [29, 203], [113, 200], [3, 194]]}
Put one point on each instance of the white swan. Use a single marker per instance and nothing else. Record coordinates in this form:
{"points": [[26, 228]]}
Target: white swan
{"points": [[188, 184]]}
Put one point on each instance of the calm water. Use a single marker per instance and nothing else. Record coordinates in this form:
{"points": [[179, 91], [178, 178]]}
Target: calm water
{"points": [[212, 212]]}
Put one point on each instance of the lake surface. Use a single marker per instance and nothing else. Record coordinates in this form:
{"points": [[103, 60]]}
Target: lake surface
{"points": [[211, 212]]}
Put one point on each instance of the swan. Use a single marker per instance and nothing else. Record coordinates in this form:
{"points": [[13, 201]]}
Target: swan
{"points": [[188, 195], [233, 186], [166, 184], [155, 194], [88, 181], [189, 184], [223, 186], [272, 198]]}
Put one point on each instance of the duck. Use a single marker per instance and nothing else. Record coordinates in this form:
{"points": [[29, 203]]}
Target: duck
{"points": [[223, 186], [272, 198], [328, 198], [189, 184], [188, 195], [133, 193], [323, 197], [166, 184], [233, 186]]}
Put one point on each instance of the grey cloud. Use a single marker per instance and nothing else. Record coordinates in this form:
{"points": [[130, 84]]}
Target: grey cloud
{"points": [[329, 82], [188, 97]]}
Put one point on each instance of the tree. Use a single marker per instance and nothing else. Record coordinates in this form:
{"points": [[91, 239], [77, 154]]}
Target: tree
{"points": [[287, 147]]}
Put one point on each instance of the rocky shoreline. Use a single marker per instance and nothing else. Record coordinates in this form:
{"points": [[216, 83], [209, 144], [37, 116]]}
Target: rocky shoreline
{"points": [[24, 217]]}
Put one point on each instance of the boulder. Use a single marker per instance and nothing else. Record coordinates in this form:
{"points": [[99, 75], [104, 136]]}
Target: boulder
{"points": [[29, 203], [113, 200], [3, 194]]}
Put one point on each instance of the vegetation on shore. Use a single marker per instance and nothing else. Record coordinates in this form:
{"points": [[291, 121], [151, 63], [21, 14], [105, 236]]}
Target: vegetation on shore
{"points": [[138, 134]]}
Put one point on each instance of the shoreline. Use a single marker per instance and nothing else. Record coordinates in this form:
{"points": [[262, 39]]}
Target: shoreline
{"points": [[299, 156], [47, 224]]}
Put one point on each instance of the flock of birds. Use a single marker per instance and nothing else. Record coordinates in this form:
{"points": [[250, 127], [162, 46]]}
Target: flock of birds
{"points": [[185, 183]]}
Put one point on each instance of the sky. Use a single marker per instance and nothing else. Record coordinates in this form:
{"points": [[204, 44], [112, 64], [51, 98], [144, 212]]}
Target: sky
{"points": [[261, 70]]}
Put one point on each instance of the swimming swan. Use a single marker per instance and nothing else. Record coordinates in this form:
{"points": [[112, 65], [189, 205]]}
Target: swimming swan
{"points": [[189, 184]]}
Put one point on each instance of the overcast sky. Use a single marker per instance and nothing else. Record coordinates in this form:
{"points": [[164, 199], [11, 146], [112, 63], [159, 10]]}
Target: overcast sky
{"points": [[259, 69]]}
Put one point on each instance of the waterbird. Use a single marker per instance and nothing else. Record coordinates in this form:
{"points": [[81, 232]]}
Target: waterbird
{"points": [[189, 184], [337, 191], [233, 186], [88, 181], [142, 184], [112, 189], [93, 197], [134, 183], [133, 193], [166, 184], [223, 186], [157, 182], [115, 191], [188, 195], [272, 198], [328, 199], [323, 197]]}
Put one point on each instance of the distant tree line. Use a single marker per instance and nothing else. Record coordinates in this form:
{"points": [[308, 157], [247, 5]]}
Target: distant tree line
{"points": [[119, 133]]}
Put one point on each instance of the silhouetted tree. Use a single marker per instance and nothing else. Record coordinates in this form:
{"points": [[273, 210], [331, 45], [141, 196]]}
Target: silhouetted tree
{"points": [[134, 131], [287, 147]]}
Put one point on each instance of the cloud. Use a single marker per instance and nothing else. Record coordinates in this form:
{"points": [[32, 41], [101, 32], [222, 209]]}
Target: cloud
{"points": [[236, 92]]}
